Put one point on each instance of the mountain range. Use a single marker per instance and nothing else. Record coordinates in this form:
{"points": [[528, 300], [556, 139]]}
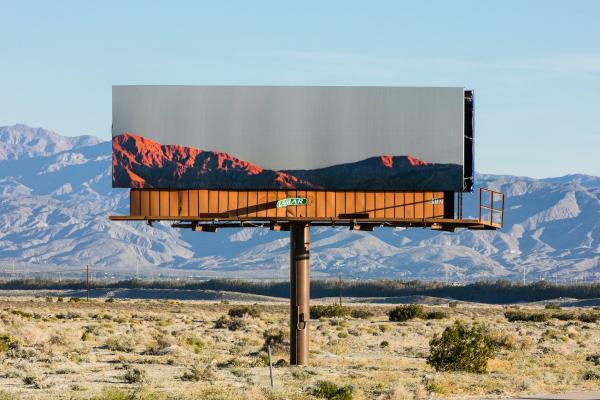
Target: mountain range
{"points": [[140, 162], [56, 195]]}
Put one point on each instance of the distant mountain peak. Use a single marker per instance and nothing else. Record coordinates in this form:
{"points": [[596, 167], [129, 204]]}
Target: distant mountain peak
{"points": [[20, 140]]}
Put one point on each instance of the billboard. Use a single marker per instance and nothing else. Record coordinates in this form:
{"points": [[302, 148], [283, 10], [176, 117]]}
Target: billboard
{"points": [[290, 137]]}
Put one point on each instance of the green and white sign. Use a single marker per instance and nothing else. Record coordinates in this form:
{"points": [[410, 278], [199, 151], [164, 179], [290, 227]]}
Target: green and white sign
{"points": [[292, 201]]}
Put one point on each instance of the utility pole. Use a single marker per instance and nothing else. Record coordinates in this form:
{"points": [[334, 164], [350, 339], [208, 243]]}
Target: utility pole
{"points": [[523, 276], [340, 286], [87, 280]]}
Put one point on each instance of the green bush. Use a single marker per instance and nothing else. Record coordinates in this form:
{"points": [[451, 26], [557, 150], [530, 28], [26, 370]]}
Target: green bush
{"points": [[328, 311], [406, 312], [360, 313], [8, 342], [453, 304], [564, 316], [552, 306], [243, 311], [195, 343], [513, 316], [22, 314], [436, 315], [331, 391], [74, 300], [461, 348], [589, 317]]}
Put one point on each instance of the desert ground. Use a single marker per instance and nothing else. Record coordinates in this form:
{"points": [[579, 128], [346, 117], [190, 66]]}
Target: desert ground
{"points": [[62, 348]]}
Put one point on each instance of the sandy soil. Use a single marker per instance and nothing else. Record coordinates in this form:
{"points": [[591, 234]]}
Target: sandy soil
{"points": [[178, 349]]}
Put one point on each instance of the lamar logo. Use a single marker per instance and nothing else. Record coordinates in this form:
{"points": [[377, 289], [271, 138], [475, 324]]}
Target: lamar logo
{"points": [[437, 201], [292, 201]]}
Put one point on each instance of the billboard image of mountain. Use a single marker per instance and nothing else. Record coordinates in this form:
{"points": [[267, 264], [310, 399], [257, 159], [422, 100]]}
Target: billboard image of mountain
{"points": [[291, 137], [139, 162]]}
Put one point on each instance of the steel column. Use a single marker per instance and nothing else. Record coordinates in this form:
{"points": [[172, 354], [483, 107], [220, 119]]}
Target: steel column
{"points": [[299, 292]]}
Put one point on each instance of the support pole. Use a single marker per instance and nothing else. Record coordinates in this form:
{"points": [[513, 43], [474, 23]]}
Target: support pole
{"points": [[299, 292]]}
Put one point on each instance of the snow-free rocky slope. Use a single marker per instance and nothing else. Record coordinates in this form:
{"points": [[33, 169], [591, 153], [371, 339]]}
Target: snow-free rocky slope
{"points": [[55, 196]]}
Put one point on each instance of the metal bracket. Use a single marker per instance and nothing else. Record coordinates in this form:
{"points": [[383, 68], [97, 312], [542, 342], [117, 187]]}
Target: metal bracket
{"points": [[301, 322]]}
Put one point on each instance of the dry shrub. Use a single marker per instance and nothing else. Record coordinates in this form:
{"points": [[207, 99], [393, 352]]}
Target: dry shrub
{"points": [[328, 311], [594, 359], [552, 306], [243, 311], [500, 339], [8, 342], [195, 344], [158, 344], [515, 316], [122, 343], [217, 392], [134, 375], [361, 313], [276, 338], [22, 314], [589, 317], [232, 324], [436, 314], [196, 374], [591, 375]]}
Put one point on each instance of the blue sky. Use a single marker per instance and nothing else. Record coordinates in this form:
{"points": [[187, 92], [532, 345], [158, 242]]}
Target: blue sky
{"points": [[534, 65]]}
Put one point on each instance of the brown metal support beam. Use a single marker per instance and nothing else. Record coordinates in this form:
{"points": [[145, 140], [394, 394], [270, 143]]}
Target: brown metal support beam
{"points": [[299, 292]]}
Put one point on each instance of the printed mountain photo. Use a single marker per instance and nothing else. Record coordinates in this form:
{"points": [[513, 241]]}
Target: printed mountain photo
{"points": [[256, 137], [139, 162]]}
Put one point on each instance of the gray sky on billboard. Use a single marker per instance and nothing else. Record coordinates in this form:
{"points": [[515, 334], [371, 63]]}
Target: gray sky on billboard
{"points": [[297, 127]]}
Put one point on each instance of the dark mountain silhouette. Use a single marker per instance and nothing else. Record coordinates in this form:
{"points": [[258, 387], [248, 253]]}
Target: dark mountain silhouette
{"points": [[385, 172], [140, 162]]}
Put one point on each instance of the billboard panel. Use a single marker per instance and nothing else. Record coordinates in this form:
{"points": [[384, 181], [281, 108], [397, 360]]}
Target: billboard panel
{"points": [[288, 137]]}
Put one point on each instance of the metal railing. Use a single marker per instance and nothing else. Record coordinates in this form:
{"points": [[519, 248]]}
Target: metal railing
{"points": [[489, 212]]}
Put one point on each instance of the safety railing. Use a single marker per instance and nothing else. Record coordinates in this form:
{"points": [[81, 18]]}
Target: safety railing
{"points": [[491, 207]]}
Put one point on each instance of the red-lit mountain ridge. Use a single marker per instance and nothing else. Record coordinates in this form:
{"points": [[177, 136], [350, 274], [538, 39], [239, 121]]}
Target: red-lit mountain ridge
{"points": [[140, 162], [143, 163]]}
